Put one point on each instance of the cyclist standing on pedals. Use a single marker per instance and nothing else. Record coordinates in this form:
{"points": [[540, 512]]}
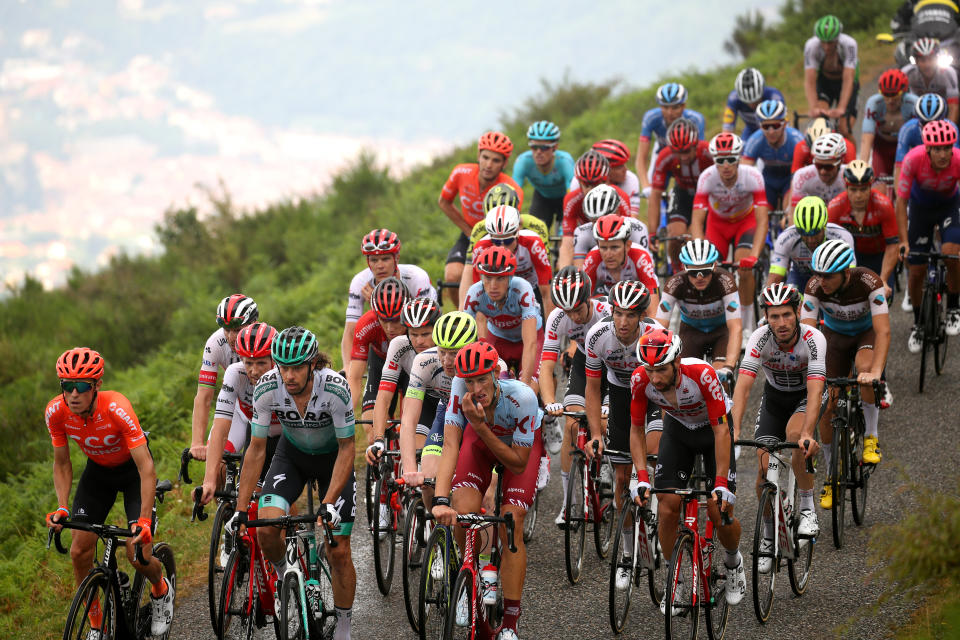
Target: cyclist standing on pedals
{"points": [[618, 155], [602, 201], [616, 259], [927, 197], [816, 129], [926, 75], [313, 404], [749, 90], [831, 73], [822, 178], [732, 204], [381, 248], [774, 143], [233, 313], [930, 107], [886, 113], [672, 98], [548, 169], [685, 157], [471, 182], [105, 427], [857, 332], [575, 314], [695, 421], [489, 421]]}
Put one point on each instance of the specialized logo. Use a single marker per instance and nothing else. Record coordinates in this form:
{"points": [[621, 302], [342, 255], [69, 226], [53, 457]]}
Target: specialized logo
{"points": [[277, 479]]}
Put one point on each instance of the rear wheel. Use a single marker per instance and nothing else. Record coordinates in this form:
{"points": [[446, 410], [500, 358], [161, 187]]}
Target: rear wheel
{"points": [[838, 478], [530, 519], [411, 561], [622, 562], [384, 533], [574, 534], [682, 610], [439, 566], [860, 475], [143, 614], [218, 540], [93, 608], [462, 616], [717, 608], [798, 569], [764, 581], [235, 619], [939, 323]]}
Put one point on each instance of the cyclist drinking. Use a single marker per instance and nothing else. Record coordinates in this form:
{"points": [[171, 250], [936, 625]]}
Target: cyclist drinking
{"points": [[547, 169]]}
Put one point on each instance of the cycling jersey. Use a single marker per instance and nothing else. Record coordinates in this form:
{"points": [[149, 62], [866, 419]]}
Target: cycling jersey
{"points": [[528, 222], [327, 416], [776, 160], [369, 336], [637, 266], [911, 137], [415, 279], [790, 252], [106, 436], [653, 125], [887, 125], [217, 355], [786, 370], [552, 184], [803, 157], [533, 262], [515, 420], [700, 398], [465, 180], [630, 186], [505, 319], [427, 377], [807, 182], [731, 203], [583, 240], [748, 113], [559, 325], [878, 227], [850, 309], [814, 57], [704, 310], [684, 175], [943, 83], [236, 393], [400, 355], [922, 184], [604, 348], [573, 209]]}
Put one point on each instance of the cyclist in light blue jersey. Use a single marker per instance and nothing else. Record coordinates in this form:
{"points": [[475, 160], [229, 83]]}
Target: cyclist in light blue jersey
{"points": [[774, 144], [929, 107], [671, 97], [749, 91], [548, 170]]}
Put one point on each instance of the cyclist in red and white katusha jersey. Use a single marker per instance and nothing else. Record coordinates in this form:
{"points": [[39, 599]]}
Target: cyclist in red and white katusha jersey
{"points": [[616, 259], [731, 202], [233, 313], [381, 247], [471, 182], [822, 178], [617, 154]]}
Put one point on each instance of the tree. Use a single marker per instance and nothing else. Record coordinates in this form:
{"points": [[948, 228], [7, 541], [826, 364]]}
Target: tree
{"points": [[748, 33]]}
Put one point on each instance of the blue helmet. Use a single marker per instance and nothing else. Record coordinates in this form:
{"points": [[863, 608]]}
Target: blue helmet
{"points": [[671, 93], [832, 256], [698, 252], [543, 130], [771, 110], [930, 106]]}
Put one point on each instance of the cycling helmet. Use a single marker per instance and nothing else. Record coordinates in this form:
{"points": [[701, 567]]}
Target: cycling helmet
{"points": [[771, 110], [611, 227], [810, 215], [671, 93], [939, 133], [614, 151], [294, 346], [829, 147], [497, 142], [420, 312], [699, 253], [629, 294], [817, 127], [592, 167], [255, 340], [380, 242], [80, 363], [893, 82], [924, 47], [570, 288], [726, 144], [497, 261], [749, 85], [237, 311], [683, 134], [498, 194], [930, 106], [388, 298], [858, 172], [502, 222], [828, 28], [659, 347], [832, 256], [543, 130], [779, 294], [476, 359], [600, 201], [455, 330]]}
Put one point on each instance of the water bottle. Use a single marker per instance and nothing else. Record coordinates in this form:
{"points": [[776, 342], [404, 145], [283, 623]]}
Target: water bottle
{"points": [[488, 582]]}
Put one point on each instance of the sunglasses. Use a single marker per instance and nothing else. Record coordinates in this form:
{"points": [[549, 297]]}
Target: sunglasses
{"points": [[700, 273], [376, 246], [69, 386], [773, 126], [501, 242], [826, 167], [726, 160], [236, 323], [543, 147]]}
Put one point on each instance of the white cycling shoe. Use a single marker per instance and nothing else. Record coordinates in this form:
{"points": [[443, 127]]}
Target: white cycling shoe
{"points": [[623, 577], [543, 473], [384, 520], [809, 526], [162, 611], [953, 322], [765, 563], [508, 634], [463, 611], [914, 344], [674, 610], [905, 303], [436, 567], [561, 519], [736, 585]]}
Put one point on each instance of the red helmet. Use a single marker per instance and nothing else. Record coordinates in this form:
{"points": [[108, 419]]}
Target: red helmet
{"points": [[237, 311], [939, 133], [380, 242], [495, 141], [476, 359], [611, 227], [726, 144], [254, 340], [592, 167], [659, 347], [683, 135], [388, 299], [497, 261], [892, 82], [614, 151], [80, 363]]}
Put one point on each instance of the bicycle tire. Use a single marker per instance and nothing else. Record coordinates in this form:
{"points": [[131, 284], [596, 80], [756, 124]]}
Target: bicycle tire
{"points": [[798, 569], [838, 479], [384, 537], [411, 560], [235, 614], [680, 575], [464, 582], [940, 338], [860, 477], [657, 578], [927, 309], [328, 614], [214, 570], [763, 583], [434, 592], [369, 486], [142, 614], [575, 531], [295, 614], [605, 515], [716, 608], [619, 599], [530, 518], [96, 589]]}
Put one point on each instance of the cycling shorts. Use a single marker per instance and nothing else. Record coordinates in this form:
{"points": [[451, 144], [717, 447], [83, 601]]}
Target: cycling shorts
{"points": [[842, 350], [97, 491], [775, 189], [618, 421], [239, 432], [921, 221], [682, 209], [512, 352], [577, 381], [696, 343], [884, 156], [679, 447], [458, 252], [372, 388], [722, 232], [549, 210], [475, 470], [776, 409], [289, 472], [828, 90], [434, 444]]}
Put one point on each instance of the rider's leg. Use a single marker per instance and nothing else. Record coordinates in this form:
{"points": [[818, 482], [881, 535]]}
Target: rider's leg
{"points": [[747, 288]]}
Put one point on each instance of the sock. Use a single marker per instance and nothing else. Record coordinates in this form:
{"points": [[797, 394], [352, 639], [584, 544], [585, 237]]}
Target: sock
{"points": [[731, 558], [953, 300], [746, 314], [511, 613], [343, 624], [628, 542], [768, 527], [159, 590], [916, 314], [871, 418], [564, 480], [806, 499], [827, 448]]}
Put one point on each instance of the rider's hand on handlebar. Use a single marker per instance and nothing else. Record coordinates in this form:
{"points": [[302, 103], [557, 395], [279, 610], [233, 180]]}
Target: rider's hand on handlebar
{"points": [[866, 377], [145, 535], [724, 497], [444, 515], [412, 478], [594, 448], [554, 409], [234, 524], [809, 446], [330, 514], [198, 451], [207, 489], [56, 516], [375, 450], [640, 493], [748, 262]]}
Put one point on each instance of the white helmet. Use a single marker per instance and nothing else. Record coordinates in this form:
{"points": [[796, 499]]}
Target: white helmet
{"points": [[926, 46], [600, 201], [830, 147], [503, 221], [749, 85]]}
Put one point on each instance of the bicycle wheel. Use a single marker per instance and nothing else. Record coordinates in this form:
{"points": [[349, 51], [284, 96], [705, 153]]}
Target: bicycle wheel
{"points": [[928, 307], [295, 613], [235, 617], [327, 624], [938, 321], [657, 578], [860, 477], [530, 519], [140, 594], [411, 561], [764, 582], [798, 569], [838, 479], [606, 517], [462, 616], [574, 534], [214, 566], [369, 486], [715, 601], [683, 612], [622, 562], [439, 566], [384, 534], [95, 595]]}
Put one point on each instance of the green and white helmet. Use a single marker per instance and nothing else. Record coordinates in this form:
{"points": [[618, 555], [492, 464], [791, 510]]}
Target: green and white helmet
{"points": [[828, 28], [294, 346]]}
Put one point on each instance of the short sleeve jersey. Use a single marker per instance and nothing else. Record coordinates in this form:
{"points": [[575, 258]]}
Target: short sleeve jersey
{"points": [[427, 377], [400, 355], [875, 231], [559, 325], [552, 184], [515, 419], [236, 393], [814, 56], [327, 416], [943, 83], [737, 108], [791, 253], [778, 160], [533, 262], [653, 125], [730, 203], [704, 310], [910, 137], [584, 241], [922, 184], [106, 436], [885, 125], [415, 279], [786, 370], [700, 398], [368, 336], [465, 181], [573, 209], [217, 355], [604, 348], [630, 186], [807, 182], [637, 266], [684, 175], [505, 320], [850, 309]]}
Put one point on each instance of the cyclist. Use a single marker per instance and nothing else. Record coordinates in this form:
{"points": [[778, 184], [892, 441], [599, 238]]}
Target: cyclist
{"points": [[381, 248], [471, 182], [732, 203], [857, 331], [790, 258], [831, 73], [672, 98], [929, 107], [615, 259], [749, 90], [886, 113], [549, 171], [818, 127], [684, 159], [601, 201], [312, 403], [574, 315], [928, 182], [793, 359], [489, 421], [502, 194], [822, 178], [774, 143], [233, 313], [105, 427], [925, 75], [695, 421], [617, 154]]}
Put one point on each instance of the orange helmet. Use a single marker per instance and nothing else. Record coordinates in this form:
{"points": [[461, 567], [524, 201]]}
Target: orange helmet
{"points": [[495, 141], [80, 363]]}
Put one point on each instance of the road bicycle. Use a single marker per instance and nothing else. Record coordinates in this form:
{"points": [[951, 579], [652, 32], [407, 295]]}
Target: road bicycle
{"points": [[416, 531], [933, 322], [439, 569], [664, 266], [392, 442], [389, 493]]}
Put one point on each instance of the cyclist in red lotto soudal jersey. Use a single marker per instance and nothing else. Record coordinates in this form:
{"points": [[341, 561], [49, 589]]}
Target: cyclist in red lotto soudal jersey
{"points": [[615, 259], [471, 182], [233, 313], [105, 427]]}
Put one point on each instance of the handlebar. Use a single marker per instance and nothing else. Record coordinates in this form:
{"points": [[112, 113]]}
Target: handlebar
{"points": [[878, 386], [288, 521], [481, 518], [391, 422], [229, 457], [775, 447], [101, 530]]}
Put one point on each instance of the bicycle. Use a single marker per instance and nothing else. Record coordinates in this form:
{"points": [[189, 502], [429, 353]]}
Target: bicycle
{"points": [[779, 502], [416, 530], [662, 256], [933, 323], [392, 441], [389, 492], [124, 609], [439, 568]]}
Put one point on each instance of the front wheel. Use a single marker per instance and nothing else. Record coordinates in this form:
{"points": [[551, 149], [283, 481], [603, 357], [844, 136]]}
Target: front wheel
{"points": [[411, 560], [940, 346], [143, 614], [605, 512], [623, 564], [682, 617], [220, 548], [838, 479], [93, 608], [235, 619], [860, 477], [440, 565], [798, 569], [716, 607], [384, 533], [765, 561], [462, 616], [928, 308], [575, 531], [294, 612]]}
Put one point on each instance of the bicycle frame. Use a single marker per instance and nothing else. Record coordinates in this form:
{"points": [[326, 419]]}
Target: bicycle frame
{"points": [[260, 570], [785, 507]]}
